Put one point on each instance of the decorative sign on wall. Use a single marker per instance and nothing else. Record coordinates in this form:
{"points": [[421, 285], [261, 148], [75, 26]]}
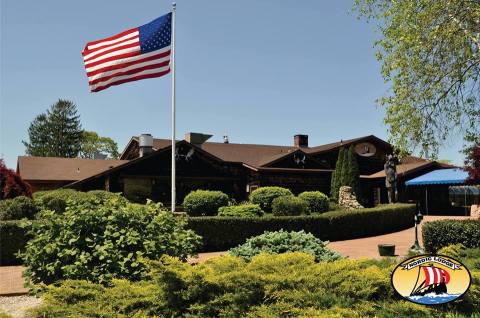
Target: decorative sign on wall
{"points": [[365, 149]]}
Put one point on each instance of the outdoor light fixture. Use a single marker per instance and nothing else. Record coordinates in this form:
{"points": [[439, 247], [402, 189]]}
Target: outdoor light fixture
{"points": [[418, 219]]}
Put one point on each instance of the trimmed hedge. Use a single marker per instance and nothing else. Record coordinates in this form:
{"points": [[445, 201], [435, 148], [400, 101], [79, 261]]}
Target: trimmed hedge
{"points": [[438, 234], [223, 233], [243, 210], [13, 238], [317, 202], [204, 202], [264, 196], [289, 205]]}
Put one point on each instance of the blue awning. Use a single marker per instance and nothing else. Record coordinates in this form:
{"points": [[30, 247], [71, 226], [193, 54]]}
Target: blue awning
{"points": [[442, 176]]}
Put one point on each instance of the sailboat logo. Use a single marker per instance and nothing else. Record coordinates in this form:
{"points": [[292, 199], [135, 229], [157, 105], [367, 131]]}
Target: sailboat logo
{"points": [[431, 279]]}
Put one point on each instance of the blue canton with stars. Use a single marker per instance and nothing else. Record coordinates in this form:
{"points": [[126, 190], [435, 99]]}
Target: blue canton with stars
{"points": [[156, 34]]}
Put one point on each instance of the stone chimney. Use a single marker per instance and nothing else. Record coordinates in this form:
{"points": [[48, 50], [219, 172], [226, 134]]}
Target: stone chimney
{"points": [[300, 141], [145, 144], [196, 139]]}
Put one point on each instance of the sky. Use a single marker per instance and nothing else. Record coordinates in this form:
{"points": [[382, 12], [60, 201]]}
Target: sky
{"points": [[258, 71]]}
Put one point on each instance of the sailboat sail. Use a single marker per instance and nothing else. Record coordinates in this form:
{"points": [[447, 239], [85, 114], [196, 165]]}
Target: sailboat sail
{"points": [[435, 275]]}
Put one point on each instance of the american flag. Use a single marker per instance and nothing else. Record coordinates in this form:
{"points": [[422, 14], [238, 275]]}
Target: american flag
{"points": [[132, 55]]}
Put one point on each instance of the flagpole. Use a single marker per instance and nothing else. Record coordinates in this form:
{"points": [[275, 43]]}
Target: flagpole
{"points": [[172, 66]]}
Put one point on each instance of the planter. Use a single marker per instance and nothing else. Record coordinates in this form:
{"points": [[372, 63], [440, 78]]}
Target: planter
{"points": [[386, 249]]}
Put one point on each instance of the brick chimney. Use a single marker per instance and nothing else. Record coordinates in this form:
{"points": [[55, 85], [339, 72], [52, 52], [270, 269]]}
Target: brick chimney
{"points": [[300, 141]]}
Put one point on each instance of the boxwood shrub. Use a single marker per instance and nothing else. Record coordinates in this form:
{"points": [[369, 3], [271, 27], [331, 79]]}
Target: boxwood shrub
{"points": [[204, 202], [264, 196], [288, 205], [438, 234], [223, 233], [18, 208], [243, 210], [317, 202]]}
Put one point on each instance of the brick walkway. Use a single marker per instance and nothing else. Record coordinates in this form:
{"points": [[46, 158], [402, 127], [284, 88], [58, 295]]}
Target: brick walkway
{"points": [[11, 280]]}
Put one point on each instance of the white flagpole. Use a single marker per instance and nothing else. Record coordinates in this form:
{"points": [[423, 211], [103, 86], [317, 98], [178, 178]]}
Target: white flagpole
{"points": [[172, 68]]}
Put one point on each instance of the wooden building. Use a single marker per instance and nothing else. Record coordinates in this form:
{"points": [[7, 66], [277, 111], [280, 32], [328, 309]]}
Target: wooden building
{"points": [[236, 169]]}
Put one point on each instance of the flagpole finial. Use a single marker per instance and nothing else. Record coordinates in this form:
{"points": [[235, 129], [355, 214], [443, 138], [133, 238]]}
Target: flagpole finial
{"points": [[174, 5]]}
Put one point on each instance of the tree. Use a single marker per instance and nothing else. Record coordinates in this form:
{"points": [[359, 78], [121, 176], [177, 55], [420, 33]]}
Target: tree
{"points": [[472, 165], [337, 175], [11, 184], [92, 144], [430, 52], [56, 133], [351, 175]]}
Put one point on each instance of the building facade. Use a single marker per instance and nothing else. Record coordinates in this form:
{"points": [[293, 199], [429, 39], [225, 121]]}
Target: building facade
{"points": [[144, 169]]}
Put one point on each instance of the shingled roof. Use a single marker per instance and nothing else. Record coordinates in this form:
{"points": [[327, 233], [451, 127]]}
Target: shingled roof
{"points": [[62, 169], [256, 155]]}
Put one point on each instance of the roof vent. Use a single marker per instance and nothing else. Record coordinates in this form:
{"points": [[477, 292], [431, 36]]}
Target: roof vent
{"points": [[196, 138], [145, 144], [225, 139]]}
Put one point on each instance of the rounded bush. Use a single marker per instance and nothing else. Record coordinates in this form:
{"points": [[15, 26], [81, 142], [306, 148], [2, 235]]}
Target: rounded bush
{"points": [[204, 202], [101, 242], [283, 242], [18, 208], [288, 205], [244, 210], [316, 201], [264, 196]]}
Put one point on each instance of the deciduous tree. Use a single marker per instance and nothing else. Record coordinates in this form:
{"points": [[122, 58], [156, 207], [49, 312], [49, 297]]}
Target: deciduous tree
{"points": [[11, 184], [430, 52], [92, 144]]}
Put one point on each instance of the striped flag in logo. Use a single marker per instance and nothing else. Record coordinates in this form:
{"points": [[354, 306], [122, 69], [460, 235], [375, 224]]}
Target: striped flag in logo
{"points": [[132, 55]]}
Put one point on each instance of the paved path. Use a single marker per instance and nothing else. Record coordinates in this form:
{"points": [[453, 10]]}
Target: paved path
{"points": [[11, 280], [364, 247]]}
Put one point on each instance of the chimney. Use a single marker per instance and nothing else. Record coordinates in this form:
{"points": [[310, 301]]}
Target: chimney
{"points": [[300, 141], [196, 139], [145, 144]]}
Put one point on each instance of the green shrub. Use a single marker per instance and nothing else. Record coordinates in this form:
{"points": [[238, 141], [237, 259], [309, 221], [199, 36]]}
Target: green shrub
{"points": [[101, 242], [317, 202], [283, 242], [223, 233], [204, 202], [438, 234], [243, 210], [264, 196], [59, 200], [288, 206], [18, 208], [13, 238], [283, 285]]}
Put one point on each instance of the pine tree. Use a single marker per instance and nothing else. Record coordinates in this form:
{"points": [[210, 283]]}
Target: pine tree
{"points": [[333, 183], [56, 133]]}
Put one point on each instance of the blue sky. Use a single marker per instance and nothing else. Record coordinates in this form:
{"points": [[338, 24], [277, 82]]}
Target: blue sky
{"points": [[260, 71]]}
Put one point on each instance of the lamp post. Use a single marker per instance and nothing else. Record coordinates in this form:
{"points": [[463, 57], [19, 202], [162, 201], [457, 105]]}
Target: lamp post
{"points": [[418, 219]]}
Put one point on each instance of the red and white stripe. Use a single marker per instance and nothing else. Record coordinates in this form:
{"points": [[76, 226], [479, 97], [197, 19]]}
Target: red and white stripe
{"points": [[434, 275], [118, 59]]}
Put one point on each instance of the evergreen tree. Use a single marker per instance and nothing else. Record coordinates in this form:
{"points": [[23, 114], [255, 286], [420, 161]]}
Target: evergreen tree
{"points": [[337, 176], [351, 172], [56, 133]]}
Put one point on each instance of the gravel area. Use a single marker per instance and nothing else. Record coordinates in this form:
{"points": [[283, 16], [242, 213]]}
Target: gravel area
{"points": [[17, 306]]}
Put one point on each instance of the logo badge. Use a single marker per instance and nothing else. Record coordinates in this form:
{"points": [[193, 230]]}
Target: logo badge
{"points": [[431, 279]]}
